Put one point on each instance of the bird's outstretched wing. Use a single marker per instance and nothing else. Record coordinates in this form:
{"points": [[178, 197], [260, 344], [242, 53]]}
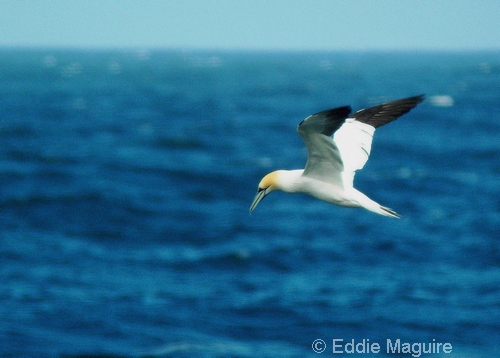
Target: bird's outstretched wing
{"points": [[324, 160], [354, 138], [386, 112]]}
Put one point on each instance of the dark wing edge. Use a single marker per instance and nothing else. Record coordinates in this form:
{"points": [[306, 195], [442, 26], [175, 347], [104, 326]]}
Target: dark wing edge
{"points": [[323, 156], [324, 122], [387, 112]]}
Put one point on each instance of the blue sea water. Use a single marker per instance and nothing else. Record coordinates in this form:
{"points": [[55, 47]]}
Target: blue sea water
{"points": [[126, 178]]}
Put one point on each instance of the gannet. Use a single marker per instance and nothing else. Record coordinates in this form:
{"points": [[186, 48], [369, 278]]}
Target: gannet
{"points": [[333, 161]]}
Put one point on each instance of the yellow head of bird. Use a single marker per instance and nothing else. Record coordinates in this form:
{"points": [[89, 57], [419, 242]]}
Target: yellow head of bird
{"points": [[266, 185]]}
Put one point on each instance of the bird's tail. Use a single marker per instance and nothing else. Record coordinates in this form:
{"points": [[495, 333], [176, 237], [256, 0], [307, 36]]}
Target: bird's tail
{"points": [[389, 212], [371, 205]]}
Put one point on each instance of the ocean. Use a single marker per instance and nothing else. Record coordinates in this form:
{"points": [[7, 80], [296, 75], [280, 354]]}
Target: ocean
{"points": [[126, 179]]}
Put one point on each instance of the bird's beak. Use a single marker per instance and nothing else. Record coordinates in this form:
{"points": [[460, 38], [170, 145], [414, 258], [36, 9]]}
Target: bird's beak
{"points": [[261, 194]]}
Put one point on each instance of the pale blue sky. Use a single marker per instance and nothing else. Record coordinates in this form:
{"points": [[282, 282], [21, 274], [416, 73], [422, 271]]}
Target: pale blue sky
{"points": [[253, 24]]}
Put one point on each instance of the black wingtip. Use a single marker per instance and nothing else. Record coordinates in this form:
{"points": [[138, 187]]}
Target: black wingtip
{"points": [[387, 112], [416, 99], [334, 118], [325, 122], [338, 112]]}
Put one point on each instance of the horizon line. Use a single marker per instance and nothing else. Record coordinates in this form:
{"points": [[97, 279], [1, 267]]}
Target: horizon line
{"points": [[246, 49]]}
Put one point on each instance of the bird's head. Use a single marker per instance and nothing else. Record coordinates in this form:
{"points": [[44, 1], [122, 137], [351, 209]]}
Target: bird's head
{"points": [[269, 183]]}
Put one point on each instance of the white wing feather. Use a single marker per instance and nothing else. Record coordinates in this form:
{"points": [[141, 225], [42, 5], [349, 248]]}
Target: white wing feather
{"points": [[354, 141]]}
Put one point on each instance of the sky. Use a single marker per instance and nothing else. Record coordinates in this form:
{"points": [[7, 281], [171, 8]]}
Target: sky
{"points": [[252, 24]]}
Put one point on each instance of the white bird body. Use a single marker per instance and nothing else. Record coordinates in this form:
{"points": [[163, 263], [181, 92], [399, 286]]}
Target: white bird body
{"points": [[293, 181], [333, 161]]}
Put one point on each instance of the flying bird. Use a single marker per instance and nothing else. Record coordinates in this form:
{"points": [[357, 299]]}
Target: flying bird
{"points": [[338, 144]]}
